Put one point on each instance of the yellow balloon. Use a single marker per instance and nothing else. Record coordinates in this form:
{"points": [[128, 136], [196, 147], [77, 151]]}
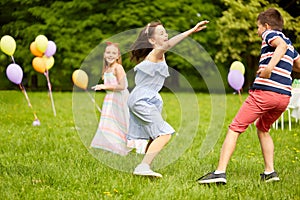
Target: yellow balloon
{"points": [[80, 79], [49, 62], [41, 43], [8, 45], [237, 65]]}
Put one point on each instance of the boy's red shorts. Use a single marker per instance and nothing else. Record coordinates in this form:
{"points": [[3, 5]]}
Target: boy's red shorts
{"points": [[266, 106]]}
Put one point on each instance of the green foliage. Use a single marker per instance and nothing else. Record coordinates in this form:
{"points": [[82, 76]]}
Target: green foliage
{"points": [[238, 31], [78, 26]]}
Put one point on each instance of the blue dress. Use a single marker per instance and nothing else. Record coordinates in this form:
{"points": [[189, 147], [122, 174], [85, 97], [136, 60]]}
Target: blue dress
{"points": [[145, 103]]}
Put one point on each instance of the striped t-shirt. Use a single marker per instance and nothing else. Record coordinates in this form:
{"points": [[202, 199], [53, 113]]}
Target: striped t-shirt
{"points": [[280, 80]]}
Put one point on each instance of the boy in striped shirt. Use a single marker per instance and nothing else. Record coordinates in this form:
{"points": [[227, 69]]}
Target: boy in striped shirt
{"points": [[268, 97]]}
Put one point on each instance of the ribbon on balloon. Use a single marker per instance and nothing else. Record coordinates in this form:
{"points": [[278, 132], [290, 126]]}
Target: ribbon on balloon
{"points": [[43, 50], [81, 79], [236, 77]]}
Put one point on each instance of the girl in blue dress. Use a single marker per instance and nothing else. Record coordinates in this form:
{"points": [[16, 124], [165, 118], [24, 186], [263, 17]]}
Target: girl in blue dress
{"points": [[145, 102]]}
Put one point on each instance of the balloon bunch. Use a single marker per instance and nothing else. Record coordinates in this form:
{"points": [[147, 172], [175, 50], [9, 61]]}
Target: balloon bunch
{"points": [[81, 79], [14, 72], [236, 76], [43, 50]]}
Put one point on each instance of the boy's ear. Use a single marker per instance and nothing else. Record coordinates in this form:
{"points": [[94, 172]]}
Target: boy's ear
{"points": [[268, 26]]}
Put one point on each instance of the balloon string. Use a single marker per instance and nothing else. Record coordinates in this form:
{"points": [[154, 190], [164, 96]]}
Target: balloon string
{"points": [[27, 98], [13, 59], [240, 96], [50, 91], [93, 100]]}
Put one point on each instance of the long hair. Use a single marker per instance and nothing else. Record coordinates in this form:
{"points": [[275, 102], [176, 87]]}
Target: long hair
{"points": [[142, 47], [119, 59], [271, 17]]}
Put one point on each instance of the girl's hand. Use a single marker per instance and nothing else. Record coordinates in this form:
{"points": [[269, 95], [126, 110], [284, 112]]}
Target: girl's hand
{"points": [[200, 26], [99, 87]]}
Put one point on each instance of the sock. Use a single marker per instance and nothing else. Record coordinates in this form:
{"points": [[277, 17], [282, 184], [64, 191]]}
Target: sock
{"points": [[219, 172], [267, 173]]}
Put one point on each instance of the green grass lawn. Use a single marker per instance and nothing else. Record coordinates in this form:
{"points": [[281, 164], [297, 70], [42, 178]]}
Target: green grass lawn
{"points": [[54, 161]]}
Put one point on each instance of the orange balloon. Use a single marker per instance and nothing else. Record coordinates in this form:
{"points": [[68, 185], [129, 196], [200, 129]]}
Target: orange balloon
{"points": [[34, 50], [39, 64]]}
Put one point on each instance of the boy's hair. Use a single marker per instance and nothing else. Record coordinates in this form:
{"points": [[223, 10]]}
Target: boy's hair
{"points": [[271, 17], [142, 47]]}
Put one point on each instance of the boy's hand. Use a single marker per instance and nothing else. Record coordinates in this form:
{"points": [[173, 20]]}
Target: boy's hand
{"points": [[264, 72]]}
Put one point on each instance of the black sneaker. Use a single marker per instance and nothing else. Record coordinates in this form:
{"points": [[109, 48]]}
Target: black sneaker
{"points": [[269, 177], [213, 178]]}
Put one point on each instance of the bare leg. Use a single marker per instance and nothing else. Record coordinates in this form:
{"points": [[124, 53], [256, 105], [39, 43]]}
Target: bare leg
{"points": [[150, 141], [155, 147], [227, 150], [267, 148]]}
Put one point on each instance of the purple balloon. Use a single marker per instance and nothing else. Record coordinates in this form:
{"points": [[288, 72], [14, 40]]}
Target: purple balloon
{"points": [[236, 79], [51, 49], [14, 73]]}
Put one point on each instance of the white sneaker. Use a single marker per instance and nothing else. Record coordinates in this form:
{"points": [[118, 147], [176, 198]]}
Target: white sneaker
{"points": [[144, 170]]}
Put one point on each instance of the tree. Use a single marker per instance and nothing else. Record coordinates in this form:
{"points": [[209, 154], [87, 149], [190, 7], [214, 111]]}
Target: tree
{"points": [[78, 26], [238, 38]]}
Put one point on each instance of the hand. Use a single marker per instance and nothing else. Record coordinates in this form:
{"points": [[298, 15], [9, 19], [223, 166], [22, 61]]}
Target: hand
{"points": [[200, 26], [99, 87], [264, 72]]}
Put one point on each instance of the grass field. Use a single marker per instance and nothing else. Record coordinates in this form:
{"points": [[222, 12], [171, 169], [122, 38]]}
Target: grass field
{"points": [[53, 161]]}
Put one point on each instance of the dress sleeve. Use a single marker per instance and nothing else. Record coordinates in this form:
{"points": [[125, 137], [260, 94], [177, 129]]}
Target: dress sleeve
{"points": [[151, 68]]}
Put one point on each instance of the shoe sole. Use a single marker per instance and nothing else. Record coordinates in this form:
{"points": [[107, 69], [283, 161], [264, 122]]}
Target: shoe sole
{"points": [[148, 174], [272, 180], [216, 180]]}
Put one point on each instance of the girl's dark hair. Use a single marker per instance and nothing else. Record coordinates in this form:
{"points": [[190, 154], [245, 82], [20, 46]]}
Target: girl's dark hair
{"points": [[142, 47], [271, 17]]}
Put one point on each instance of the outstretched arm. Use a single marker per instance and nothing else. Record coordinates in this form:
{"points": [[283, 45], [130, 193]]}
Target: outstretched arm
{"points": [[159, 52], [176, 39]]}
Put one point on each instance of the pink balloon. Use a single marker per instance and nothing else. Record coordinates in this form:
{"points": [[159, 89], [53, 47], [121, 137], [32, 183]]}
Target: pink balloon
{"points": [[236, 79], [14, 73], [51, 49]]}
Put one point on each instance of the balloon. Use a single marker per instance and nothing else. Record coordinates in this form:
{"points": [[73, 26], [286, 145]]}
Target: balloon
{"points": [[49, 62], [236, 79], [34, 50], [8, 45], [51, 49], [80, 78], [39, 64], [41, 43], [14, 73], [237, 65]]}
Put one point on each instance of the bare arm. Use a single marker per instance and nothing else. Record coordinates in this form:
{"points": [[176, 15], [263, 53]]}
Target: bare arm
{"points": [[280, 49], [121, 77], [296, 66], [158, 53]]}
